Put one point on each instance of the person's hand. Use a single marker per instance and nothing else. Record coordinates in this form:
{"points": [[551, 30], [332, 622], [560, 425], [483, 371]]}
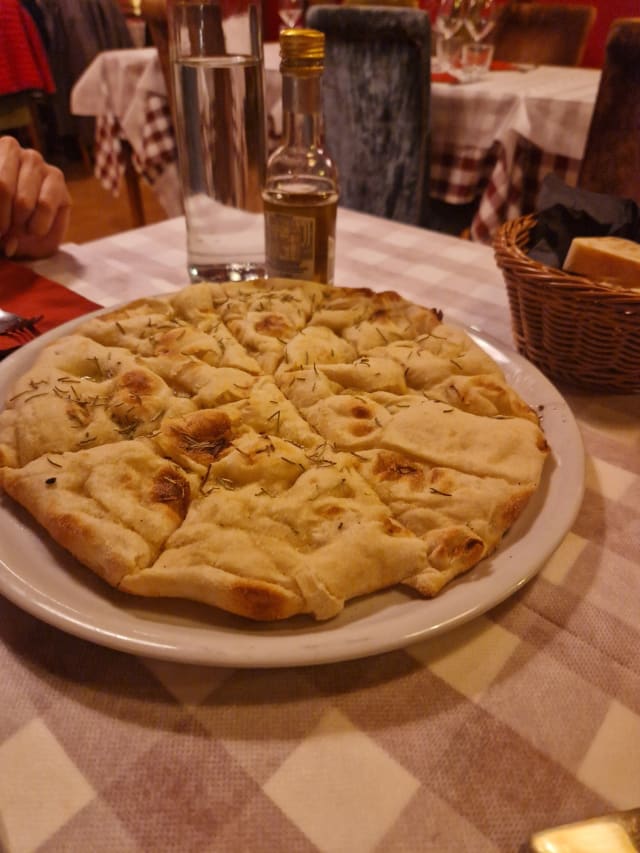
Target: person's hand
{"points": [[35, 205]]}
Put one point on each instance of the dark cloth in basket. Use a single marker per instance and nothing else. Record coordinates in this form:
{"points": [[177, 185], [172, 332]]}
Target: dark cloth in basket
{"points": [[565, 212]]}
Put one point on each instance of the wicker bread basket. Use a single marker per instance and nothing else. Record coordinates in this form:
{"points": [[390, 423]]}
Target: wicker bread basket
{"points": [[579, 332]]}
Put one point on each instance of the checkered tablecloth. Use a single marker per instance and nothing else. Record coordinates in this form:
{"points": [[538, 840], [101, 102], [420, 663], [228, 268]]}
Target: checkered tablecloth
{"points": [[156, 149], [126, 92], [493, 141], [525, 717], [505, 189]]}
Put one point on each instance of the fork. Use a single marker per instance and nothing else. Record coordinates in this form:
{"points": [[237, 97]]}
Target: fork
{"points": [[17, 327]]}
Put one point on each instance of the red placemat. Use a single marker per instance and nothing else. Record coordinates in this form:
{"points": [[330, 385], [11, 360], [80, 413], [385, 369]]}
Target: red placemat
{"points": [[503, 65], [29, 294], [443, 77]]}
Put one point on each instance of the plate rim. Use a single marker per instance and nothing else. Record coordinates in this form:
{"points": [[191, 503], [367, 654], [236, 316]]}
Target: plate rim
{"points": [[270, 649]]}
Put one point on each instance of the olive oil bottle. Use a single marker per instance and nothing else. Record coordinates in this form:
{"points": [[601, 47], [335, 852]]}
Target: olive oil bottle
{"points": [[301, 188]]}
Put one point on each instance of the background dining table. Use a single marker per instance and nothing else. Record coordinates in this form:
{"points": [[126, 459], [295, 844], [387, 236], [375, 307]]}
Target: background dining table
{"points": [[125, 92], [493, 140], [467, 739]]}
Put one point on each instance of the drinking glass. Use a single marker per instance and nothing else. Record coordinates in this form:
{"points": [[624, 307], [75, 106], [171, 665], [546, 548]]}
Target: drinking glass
{"points": [[476, 59], [290, 12], [448, 22], [218, 76]]}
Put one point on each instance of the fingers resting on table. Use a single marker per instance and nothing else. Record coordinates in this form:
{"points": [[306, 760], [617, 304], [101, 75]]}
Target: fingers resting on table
{"points": [[35, 204]]}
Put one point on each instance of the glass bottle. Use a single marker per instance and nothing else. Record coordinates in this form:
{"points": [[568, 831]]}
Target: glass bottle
{"points": [[301, 188]]}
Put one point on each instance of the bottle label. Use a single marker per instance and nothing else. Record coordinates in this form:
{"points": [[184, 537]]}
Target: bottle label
{"points": [[290, 245], [331, 259]]}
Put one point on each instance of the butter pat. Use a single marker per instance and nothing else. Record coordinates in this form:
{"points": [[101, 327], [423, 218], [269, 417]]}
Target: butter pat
{"points": [[611, 259]]}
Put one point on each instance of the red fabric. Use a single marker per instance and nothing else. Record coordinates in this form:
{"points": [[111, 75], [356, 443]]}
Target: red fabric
{"points": [[26, 293], [24, 65], [443, 77], [607, 12], [503, 65], [270, 20]]}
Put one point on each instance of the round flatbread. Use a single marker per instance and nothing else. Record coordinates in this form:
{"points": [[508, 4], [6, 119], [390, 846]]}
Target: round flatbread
{"points": [[271, 447]]}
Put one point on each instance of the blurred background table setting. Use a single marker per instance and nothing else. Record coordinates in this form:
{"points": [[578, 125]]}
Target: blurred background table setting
{"points": [[492, 142], [463, 32], [126, 92]]}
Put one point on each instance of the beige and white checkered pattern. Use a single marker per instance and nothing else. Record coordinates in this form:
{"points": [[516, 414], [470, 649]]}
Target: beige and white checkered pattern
{"points": [[526, 717]]}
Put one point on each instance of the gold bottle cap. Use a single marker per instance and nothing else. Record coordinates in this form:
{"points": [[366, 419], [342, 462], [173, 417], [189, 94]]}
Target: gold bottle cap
{"points": [[301, 48]]}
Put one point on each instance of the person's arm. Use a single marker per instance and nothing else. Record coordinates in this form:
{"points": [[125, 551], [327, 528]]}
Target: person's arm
{"points": [[35, 205]]}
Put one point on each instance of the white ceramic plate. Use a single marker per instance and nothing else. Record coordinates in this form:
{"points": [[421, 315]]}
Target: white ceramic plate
{"points": [[47, 582]]}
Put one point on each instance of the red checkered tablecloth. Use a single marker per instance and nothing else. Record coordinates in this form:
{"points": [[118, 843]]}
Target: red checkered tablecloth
{"points": [[150, 159], [126, 92], [493, 141], [504, 190], [110, 158]]}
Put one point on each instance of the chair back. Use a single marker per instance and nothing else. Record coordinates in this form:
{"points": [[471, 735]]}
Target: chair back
{"points": [[20, 112], [543, 34], [376, 90], [611, 162]]}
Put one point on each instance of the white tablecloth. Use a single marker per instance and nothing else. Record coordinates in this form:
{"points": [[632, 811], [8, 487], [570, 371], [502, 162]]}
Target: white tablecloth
{"points": [[550, 106]]}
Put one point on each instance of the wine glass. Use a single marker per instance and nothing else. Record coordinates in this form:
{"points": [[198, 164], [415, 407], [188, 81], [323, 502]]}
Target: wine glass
{"points": [[290, 12], [449, 53], [450, 16], [449, 20], [480, 18]]}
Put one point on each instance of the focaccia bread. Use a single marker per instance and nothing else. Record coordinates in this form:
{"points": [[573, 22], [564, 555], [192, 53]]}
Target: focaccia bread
{"points": [[270, 448]]}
